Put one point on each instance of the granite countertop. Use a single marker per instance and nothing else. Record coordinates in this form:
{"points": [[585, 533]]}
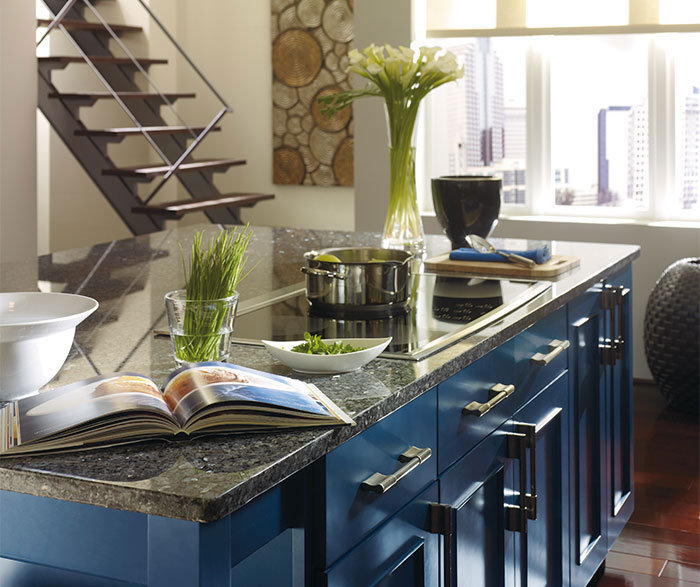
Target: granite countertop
{"points": [[207, 478]]}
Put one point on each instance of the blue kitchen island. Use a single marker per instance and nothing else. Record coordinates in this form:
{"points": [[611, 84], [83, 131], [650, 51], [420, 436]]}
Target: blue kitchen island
{"points": [[503, 458]]}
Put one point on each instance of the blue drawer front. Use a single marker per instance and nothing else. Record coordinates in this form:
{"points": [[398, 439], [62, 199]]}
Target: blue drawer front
{"points": [[531, 377], [457, 431], [352, 512], [402, 553]]}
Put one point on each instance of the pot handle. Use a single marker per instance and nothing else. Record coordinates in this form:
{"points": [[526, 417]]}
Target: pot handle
{"points": [[322, 273]]}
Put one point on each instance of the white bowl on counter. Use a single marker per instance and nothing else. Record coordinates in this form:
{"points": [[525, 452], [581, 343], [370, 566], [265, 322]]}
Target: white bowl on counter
{"points": [[36, 333], [327, 364]]}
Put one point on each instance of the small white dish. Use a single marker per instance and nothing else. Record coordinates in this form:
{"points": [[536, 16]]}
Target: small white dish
{"points": [[327, 364], [36, 333]]}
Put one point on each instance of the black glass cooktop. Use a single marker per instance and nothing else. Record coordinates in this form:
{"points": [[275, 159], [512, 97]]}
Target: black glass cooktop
{"points": [[443, 310]]}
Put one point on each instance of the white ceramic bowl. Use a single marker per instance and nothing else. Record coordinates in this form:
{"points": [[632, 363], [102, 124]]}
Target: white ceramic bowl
{"points": [[36, 333], [326, 364]]}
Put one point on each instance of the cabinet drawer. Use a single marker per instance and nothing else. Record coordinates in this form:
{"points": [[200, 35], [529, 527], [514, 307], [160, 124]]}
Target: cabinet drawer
{"points": [[353, 511], [460, 430], [541, 354], [402, 552]]}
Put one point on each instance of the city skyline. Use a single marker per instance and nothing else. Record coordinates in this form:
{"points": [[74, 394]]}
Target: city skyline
{"points": [[599, 158]]}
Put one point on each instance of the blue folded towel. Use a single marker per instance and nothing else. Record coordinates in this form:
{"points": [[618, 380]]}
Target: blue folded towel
{"points": [[539, 255]]}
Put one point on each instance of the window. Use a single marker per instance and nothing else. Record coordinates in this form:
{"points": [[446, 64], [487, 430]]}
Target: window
{"points": [[599, 130], [611, 128], [687, 127], [477, 125]]}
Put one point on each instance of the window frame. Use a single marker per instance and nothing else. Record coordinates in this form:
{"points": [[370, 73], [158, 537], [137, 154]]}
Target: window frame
{"points": [[662, 109]]}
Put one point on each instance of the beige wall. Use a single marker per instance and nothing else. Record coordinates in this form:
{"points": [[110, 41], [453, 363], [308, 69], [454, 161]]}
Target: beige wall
{"points": [[18, 209], [230, 42]]}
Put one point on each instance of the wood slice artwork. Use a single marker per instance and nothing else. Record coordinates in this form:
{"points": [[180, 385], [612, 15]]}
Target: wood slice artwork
{"points": [[344, 162], [288, 166], [311, 40], [338, 121], [296, 57]]}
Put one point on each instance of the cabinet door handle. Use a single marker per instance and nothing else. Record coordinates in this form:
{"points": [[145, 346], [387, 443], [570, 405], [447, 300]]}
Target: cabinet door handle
{"points": [[441, 522], [530, 432], [516, 515], [556, 347], [380, 483], [623, 292], [530, 499], [497, 394], [613, 299]]}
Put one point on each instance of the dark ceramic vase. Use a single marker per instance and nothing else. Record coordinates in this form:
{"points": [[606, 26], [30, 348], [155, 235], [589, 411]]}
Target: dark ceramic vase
{"points": [[466, 204]]}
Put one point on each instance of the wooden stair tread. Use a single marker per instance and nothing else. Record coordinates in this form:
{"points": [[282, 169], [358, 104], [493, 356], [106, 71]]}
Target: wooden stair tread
{"points": [[83, 25], [90, 96], [108, 59], [134, 130], [150, 171], [177, 209]]}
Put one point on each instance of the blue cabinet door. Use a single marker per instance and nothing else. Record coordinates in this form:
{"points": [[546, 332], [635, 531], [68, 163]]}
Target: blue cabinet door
{"points": [[479, 490], [587, 446], [542, 552], [619, 404], [401, 553]]}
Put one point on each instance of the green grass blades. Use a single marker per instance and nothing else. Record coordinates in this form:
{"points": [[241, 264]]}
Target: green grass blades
{"points": [[217, 267], [313, 345], [215, 270]]}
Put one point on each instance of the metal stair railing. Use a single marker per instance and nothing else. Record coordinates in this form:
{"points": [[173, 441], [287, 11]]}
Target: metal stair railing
{"points": [[173, 167]]}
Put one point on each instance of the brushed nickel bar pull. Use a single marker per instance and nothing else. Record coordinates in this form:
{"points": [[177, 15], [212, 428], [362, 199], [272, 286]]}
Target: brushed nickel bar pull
{"points": [[441, 522], [497, 394], [530, 499], [556, 347], [623, 292], [530, 431], [380, 483], [516, 515]]}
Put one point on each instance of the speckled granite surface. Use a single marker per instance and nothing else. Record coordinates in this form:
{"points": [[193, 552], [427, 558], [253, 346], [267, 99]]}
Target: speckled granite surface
{"points": [[205, 479]]}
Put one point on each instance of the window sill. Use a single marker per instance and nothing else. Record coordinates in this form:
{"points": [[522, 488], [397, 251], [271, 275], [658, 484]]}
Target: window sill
{"points": [[430, 220], [593, 220]]}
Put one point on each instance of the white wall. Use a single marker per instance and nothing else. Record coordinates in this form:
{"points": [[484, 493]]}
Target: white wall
{"points": [[18, 210]]}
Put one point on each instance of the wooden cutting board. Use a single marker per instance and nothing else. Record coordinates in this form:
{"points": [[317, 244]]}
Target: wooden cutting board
{"points": [[556, 265]]}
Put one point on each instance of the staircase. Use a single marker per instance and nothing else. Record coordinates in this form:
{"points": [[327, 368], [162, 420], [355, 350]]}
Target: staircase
{"points": [[91, 36]]}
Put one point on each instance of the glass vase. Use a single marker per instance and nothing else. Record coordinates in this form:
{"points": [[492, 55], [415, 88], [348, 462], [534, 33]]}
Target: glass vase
{"points": [[403, 228], [200, 330]]}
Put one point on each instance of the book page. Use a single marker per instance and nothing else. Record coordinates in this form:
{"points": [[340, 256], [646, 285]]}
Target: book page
{"points": [[190, 390], [77, 404]]}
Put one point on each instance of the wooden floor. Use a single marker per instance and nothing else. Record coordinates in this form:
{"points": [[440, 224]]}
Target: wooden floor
{"points": [[661, 544]]}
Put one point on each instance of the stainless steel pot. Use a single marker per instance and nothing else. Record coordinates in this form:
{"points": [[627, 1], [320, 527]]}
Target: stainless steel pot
{"points": [[367, 282]]}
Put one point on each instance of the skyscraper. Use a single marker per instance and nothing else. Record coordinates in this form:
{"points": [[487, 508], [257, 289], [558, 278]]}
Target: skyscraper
{"points": [[691, 150], [638, 156], [623, 156], [613, 144], [476, 108]]}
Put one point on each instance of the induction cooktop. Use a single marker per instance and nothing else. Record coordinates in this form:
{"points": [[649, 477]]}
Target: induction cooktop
{"points": [[443, 309]]}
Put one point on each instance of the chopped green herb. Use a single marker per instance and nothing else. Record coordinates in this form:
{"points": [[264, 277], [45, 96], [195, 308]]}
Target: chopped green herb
{"points": [[313, 345]]}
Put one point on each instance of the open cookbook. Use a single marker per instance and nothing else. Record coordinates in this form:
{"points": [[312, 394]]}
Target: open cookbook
{"points": [[201, 398]]}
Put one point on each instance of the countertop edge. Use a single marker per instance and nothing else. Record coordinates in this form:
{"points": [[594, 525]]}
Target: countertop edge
{"points": [[140, 500]]}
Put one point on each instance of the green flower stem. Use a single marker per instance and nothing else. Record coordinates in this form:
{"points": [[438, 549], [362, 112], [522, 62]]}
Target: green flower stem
{"points": [[403, 222], [402, 78]]}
